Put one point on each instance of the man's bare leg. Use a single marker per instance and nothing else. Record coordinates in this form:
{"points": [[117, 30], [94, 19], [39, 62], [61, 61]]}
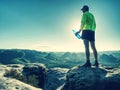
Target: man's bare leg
{"points": [[92, 43], [87, 52]]}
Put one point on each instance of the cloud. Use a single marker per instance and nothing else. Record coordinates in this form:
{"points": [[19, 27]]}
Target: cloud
{"points": [[43, 47]]}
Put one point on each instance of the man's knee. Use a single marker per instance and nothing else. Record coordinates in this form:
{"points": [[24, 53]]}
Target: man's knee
{"points": [[87, 48], [92, 45]]}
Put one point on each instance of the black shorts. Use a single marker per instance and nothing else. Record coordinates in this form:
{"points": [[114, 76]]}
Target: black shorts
{"points": [[88, 35]]}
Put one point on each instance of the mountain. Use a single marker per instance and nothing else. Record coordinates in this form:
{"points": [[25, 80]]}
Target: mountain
{"points": [[50, 59], [56, 59]]}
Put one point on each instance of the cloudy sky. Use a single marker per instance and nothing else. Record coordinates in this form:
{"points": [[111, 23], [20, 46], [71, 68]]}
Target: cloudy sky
{"points": [[47, 25]]}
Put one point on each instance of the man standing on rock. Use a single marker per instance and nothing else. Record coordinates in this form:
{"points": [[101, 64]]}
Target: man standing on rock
{"points": [[88, 26]]}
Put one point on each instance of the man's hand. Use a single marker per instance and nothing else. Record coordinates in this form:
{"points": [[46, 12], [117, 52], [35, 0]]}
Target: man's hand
{"points": [[78, 32]]}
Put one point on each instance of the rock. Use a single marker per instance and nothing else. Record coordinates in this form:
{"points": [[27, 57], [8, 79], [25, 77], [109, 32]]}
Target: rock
{"points": [[8, 83], [33, 74], [5, 68], [37, 69], [84, 78], [12, 84], [55, 77]]}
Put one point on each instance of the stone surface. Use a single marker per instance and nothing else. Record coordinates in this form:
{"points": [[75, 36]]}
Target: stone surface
{"points": [[12, 84], [55, 77], [77, 78], [83, 78], [38, 70]]}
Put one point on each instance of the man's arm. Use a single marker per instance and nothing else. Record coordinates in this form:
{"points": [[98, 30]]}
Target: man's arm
{"points": [[83, 21]]}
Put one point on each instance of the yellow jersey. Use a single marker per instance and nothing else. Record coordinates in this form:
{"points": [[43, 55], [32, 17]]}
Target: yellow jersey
{"points": [[88, 22]]}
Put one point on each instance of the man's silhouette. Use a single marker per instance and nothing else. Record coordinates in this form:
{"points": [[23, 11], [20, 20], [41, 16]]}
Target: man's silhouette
{"points": [[88, 26]]}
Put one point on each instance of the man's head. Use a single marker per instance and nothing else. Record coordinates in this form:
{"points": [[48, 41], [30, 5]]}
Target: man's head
{"points": [[85, 8]]}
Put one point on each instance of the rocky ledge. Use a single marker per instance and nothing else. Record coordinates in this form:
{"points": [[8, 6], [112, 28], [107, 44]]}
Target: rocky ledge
{"points": [[32, 76], [36, 76], [9, 75], [84, 78]]}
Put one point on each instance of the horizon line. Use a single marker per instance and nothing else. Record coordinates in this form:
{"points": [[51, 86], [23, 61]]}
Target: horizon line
{"points": [[55, 50]]}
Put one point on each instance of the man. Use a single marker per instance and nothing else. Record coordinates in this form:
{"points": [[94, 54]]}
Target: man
{"points": [[88, 26]]}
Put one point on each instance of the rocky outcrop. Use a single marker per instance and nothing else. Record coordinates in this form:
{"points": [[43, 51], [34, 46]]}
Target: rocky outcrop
{"points": [[37, 70], [17, 76], [24, 77], [7, 68], [83, 78], [55, 77], [13, 84]]}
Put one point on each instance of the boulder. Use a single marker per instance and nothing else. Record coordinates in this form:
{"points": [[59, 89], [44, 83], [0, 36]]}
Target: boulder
{"points": [[6, 68], [12, 84], [55, 77], [85, 78], [35, 69]]}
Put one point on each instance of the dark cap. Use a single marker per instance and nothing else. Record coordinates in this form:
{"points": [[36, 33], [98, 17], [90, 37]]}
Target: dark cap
{"points": [[85, 7]]}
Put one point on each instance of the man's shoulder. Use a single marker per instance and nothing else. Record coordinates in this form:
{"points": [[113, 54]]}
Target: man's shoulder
{"points": [[89, 14]]}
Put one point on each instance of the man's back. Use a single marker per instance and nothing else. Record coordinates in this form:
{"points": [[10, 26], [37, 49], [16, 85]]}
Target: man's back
{"points": [[88, 21]]}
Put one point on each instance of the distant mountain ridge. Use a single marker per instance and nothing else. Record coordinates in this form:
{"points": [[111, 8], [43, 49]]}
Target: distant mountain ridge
{"points": [[55, 59], [50, 59]]}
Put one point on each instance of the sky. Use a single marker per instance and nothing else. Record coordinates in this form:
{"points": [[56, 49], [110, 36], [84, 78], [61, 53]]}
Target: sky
{"points": [[46, 25]]}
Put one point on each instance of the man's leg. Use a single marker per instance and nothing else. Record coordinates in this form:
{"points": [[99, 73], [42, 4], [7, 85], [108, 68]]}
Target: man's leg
{"points": [[92, 43], [87, 52]]}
